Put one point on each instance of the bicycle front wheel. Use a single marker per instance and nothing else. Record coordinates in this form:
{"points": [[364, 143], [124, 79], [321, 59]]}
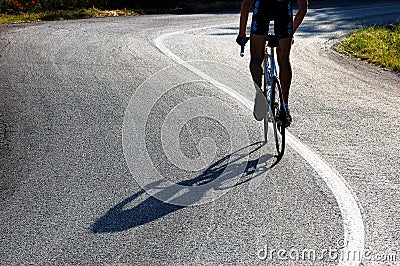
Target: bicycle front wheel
{"points": [[279, 129]]}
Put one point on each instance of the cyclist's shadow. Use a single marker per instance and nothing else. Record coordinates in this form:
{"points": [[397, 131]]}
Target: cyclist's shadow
{"points": [[120, 217]]}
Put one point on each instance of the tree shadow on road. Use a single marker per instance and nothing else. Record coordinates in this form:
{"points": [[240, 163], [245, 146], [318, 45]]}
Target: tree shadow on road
{"points": [[331, 17], [121, 217]]}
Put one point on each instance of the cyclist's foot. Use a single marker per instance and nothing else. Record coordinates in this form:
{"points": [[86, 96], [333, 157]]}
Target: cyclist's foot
{"points": [[285, 117], [260, 106]]}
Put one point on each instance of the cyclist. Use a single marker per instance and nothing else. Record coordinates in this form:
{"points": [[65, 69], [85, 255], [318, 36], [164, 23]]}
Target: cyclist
{"points": [[265, 11]]}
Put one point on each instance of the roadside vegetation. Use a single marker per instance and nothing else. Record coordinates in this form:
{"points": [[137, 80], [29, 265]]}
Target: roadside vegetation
{"points": [[377, 45], [62, 15], [13, 11]]}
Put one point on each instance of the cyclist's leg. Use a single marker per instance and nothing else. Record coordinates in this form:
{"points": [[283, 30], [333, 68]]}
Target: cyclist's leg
{"points": [[257, 53], [257, 50], [259, 29], [285, 69], [285, 76], [284, 29]]}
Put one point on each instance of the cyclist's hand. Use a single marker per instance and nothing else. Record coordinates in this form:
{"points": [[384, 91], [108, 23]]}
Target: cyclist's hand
{"points": [[242, 40]]}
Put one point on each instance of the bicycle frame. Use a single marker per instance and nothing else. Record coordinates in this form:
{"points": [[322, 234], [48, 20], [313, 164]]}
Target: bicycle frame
{"points": [[270, 73], [275, 100]]}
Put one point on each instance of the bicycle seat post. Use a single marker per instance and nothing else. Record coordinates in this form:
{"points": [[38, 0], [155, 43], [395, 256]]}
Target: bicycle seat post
{"points": [[272, 41]]}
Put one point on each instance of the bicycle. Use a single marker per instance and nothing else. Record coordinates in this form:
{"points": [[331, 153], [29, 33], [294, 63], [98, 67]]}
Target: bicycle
{"points": [[273, 93]]}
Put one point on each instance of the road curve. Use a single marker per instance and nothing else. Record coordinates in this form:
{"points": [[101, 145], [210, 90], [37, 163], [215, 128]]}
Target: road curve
{"points": [[71, 193]]}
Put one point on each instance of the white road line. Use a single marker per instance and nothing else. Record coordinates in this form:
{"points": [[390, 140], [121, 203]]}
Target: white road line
{"points": [[352, 220]]}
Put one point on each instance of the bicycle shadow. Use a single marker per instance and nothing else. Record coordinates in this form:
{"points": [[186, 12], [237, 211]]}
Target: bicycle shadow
{"points": [[120, 217]]}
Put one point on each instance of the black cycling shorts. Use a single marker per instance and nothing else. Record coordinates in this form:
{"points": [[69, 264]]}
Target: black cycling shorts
{"points": [[279, 11]]}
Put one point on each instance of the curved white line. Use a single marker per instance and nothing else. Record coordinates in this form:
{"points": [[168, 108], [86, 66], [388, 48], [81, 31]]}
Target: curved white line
{"points": [[352, 220]]}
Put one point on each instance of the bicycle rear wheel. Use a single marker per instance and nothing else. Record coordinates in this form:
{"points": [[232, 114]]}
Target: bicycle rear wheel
{"points": [[279, 129]]}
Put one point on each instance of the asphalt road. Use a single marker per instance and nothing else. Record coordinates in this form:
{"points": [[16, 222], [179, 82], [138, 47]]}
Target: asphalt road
{"points": [[99, 114]]}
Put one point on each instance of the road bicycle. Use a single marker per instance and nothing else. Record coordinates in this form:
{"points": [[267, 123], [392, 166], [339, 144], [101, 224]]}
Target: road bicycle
{"points": [[273, 93]]}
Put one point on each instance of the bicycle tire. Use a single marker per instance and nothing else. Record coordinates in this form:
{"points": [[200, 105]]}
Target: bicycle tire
{"points": [[267, 118], [265, 130], [279, 130]]}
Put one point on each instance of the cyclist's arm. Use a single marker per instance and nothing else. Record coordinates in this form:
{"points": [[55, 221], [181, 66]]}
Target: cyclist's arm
{"points": [[301, 13], [244, 16]]}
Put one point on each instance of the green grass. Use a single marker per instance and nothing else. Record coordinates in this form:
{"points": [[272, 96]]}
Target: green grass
{"points": [[61, 15], [377, 45]]}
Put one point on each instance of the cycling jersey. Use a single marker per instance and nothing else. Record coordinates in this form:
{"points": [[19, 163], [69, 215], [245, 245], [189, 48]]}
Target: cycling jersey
{"points": [[279, 11]]}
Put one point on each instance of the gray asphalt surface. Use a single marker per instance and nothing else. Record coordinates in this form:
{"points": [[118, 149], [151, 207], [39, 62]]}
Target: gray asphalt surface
{"points": [[67, 194]]}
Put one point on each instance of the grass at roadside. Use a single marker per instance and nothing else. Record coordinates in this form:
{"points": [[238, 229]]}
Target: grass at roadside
{"points": [[62, 14], [377, 45]]}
